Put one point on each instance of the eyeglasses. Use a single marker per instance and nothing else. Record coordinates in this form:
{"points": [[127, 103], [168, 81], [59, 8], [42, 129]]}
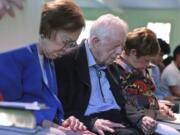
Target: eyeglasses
{"points": [[69, 44]]}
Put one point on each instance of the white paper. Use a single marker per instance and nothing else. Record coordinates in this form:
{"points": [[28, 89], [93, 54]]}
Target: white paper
{"points": [[23, 29], [166, 130], [22, 105]]}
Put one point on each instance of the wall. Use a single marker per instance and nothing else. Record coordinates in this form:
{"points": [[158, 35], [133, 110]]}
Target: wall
{"points": [[140, 17]]}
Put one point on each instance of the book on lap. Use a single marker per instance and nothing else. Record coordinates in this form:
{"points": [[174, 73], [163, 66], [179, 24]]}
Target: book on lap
{"points": [[18, 114]]}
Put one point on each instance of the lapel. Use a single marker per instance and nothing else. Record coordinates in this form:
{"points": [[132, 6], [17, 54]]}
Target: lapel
{"points": [[36, 59], [81, 65], [112, 77]]}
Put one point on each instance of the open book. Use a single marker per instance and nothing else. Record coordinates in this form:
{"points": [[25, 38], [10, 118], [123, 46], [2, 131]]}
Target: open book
{"points": [[165, 129], [22, 105]]}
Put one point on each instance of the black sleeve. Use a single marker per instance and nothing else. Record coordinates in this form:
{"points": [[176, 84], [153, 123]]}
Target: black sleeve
{"points": [[134, 115], [66, 94]]}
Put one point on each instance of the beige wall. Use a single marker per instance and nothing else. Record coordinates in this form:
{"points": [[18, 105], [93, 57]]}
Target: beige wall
{"points": [[140, 17]]}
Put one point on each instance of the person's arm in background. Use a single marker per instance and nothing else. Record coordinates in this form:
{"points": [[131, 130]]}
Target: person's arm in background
{"points": [[175, 93], [7, 7], [172, 82], [175, 90]]}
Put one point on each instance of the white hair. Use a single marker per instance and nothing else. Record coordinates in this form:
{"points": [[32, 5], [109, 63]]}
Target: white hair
{"points": [[106, 24]]}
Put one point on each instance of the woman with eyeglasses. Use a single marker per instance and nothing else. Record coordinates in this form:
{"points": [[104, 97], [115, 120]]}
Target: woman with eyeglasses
{"points": [[28, 74], [141, 106]]}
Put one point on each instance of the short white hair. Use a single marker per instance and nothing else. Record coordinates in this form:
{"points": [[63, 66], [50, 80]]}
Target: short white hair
{"points": [[105, 25]]}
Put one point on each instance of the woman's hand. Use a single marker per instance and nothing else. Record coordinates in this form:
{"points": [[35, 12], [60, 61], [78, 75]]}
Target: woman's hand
{"points": [[67, 131], [67, 127], [148, 125], [74, 124]]}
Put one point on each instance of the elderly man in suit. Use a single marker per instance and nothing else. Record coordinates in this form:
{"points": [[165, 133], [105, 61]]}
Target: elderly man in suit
{"points": [[86, 88]]}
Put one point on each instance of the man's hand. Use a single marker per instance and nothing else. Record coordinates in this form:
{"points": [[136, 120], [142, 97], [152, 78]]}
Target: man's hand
{"points": [[74, 124], [102, 125], [148, 125], [68, 131], [7, 7], [56, 129]]}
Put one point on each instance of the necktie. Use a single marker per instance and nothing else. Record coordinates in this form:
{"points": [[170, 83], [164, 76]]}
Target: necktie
{"points": [[99, 75]]}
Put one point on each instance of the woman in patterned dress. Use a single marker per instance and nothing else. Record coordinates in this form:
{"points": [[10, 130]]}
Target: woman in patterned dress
{"points": [[141, 106]]}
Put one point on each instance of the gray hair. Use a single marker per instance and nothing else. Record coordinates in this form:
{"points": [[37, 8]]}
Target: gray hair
{"points": [[104, 26]]}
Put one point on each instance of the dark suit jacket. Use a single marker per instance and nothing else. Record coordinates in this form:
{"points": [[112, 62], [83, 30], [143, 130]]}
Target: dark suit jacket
{"points": [[74, 84]]}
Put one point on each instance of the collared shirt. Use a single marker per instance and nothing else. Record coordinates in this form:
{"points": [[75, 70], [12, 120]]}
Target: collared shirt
{"points": [[98, 102], [125, 66], [156, 78]]}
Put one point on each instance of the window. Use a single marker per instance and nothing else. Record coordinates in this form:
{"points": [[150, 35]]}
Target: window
{"points": [[85, 32], [162, 30]]}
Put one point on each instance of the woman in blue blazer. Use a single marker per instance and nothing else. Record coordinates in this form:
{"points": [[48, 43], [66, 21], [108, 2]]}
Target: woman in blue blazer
{"points": [[28, 74]]}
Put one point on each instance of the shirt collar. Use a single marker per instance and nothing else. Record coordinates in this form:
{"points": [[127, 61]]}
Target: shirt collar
{"points": [[90, 57], [125, 66]]}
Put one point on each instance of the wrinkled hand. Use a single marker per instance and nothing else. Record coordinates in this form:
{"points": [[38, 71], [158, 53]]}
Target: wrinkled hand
{"points": [[56, 129], [74, 124], [102, 125], [68, 131], [148, 125], [7, 7]]}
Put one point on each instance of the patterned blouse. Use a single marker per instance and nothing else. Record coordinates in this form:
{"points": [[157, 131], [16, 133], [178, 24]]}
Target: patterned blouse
{"points": [[137, 87]]}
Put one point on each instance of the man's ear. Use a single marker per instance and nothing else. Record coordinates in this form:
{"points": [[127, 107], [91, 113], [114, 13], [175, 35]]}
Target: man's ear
{"points": [[95, 40]]}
